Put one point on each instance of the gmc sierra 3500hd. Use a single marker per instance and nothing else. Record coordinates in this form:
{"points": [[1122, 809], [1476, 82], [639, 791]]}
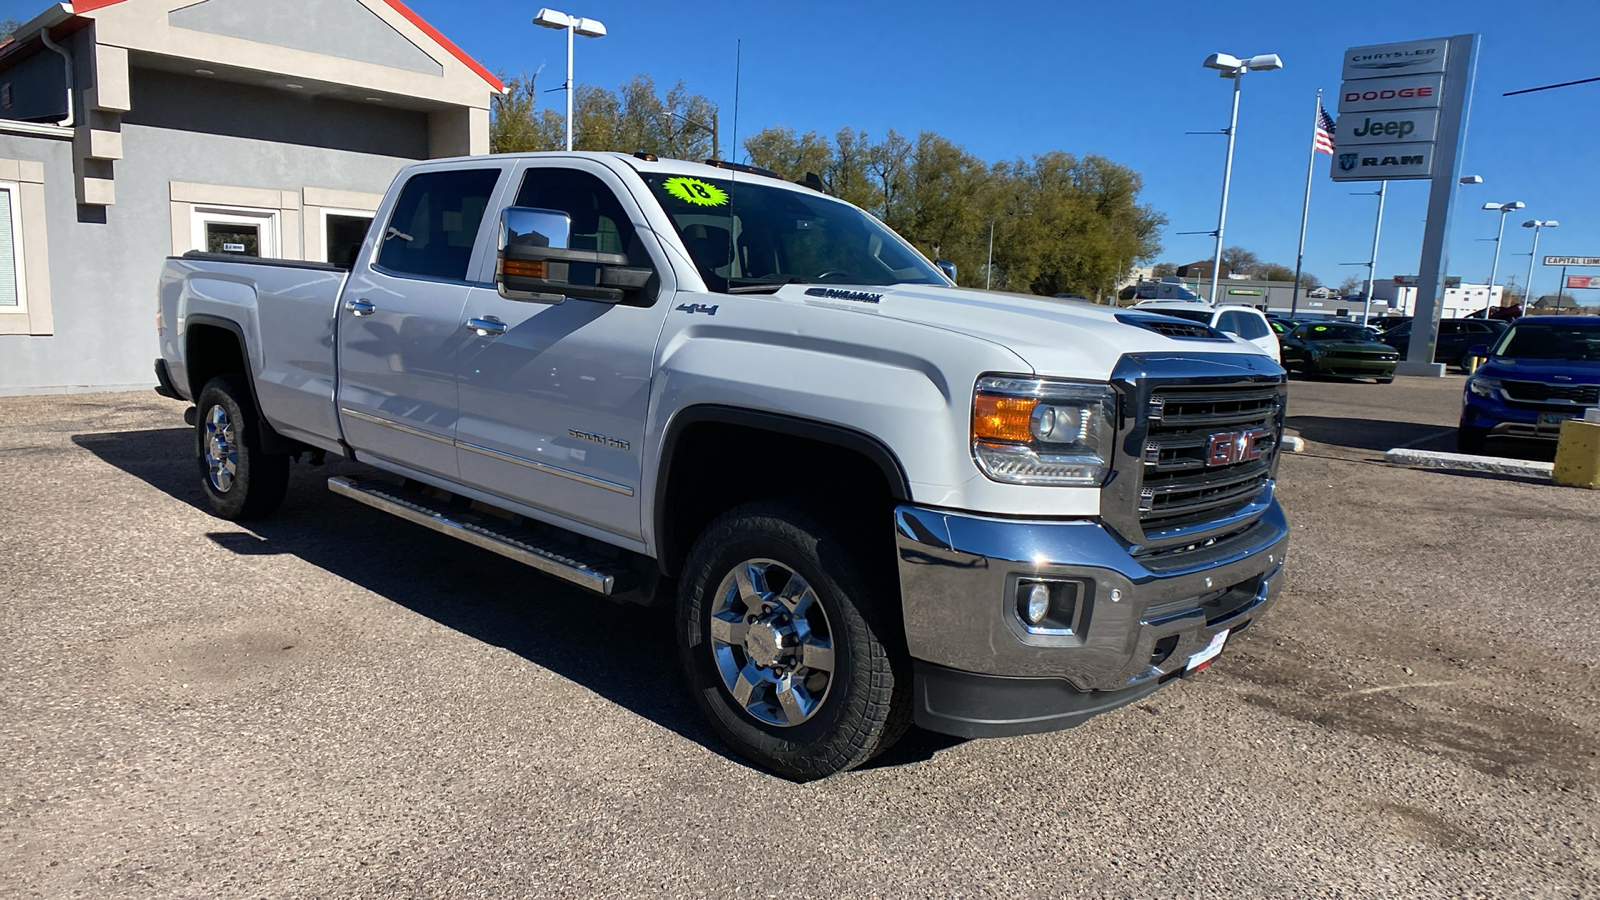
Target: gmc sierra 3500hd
{"points": [[875, 497]]}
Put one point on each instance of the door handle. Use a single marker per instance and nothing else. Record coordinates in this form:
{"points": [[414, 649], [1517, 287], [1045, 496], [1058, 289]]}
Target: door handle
{"points": [[486, 326], [360, 307]]}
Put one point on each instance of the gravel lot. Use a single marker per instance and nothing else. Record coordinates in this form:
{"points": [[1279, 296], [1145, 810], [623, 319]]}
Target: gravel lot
{"points": [[336, 703]]}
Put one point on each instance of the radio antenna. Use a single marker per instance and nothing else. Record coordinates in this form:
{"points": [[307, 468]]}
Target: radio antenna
{"points": [[738, 58]]}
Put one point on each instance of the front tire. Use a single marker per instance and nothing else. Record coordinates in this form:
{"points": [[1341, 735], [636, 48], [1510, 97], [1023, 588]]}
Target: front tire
{"points": [[789, 643], [240, 481]]}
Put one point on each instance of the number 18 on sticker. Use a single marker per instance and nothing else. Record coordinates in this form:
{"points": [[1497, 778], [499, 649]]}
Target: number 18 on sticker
{"points": [[693, 190]]}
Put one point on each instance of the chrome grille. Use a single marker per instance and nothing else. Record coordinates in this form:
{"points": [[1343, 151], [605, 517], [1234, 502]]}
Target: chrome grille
{"points": [[1182, 482], [1536, 392], [1173, 489]]}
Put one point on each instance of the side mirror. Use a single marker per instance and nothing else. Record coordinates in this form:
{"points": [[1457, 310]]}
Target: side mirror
{"points": [[947, 267], [535, 262], [1481, 351]]}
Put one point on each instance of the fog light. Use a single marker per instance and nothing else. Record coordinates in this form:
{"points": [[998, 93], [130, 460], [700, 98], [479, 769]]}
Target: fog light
{"points": [[1037, 605]]}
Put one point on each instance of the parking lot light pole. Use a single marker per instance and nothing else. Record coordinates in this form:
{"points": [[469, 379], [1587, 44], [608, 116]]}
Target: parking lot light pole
{"points": [[1494, 270], [1232, 67], [550, 18], [1527, 287]]}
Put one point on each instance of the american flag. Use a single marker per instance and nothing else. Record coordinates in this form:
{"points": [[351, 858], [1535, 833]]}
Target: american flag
{"points": [[1322, 140]]}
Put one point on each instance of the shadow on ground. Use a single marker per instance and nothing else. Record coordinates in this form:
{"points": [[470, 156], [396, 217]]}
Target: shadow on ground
{"points": [[625, 653], [1372, 434], [1381, 436]]}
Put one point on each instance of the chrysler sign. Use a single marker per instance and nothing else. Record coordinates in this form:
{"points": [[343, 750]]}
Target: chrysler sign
{"points": [[1383, 60]]}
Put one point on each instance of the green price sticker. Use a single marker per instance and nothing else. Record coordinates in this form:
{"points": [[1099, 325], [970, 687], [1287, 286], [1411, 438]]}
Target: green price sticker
{"points": [[693, 190]]}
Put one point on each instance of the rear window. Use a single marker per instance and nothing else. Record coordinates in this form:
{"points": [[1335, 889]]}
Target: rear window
{"points": [[435, 223], [1576, 341], [1193, 315], [1334, 333]]}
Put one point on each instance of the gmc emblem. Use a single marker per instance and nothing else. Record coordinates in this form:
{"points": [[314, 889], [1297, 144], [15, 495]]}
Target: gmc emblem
{"points": [[1230, 447]]}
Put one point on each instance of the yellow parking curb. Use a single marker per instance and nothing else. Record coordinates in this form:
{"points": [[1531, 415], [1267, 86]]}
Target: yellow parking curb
{"points": [[1578, 454]]}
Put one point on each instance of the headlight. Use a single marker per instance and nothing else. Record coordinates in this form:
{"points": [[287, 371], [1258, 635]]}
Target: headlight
{"points": [[1039, 431], [1484, 387]]}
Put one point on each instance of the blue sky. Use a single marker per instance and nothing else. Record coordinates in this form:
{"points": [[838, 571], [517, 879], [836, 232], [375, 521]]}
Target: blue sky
{"points": [[1123, 79]]}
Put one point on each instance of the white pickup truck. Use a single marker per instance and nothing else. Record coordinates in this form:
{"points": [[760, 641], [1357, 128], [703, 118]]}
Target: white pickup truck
{"points": [[874, 497]]}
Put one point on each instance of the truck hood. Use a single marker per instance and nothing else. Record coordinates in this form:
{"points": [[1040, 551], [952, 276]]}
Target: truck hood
{"points": [[1056, 337]]}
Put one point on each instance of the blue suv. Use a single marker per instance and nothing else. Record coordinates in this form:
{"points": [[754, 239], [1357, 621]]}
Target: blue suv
{"points": [[1542, 371]]}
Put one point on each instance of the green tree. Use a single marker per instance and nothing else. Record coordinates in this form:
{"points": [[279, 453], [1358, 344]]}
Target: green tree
{"points": [[1059, 222], [636, 117], [1163, 269], [1239, 261]]}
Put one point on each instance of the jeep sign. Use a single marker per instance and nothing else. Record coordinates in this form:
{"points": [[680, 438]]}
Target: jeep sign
{"points": [[1387, 128], [1410, 92], [1388, 161]]}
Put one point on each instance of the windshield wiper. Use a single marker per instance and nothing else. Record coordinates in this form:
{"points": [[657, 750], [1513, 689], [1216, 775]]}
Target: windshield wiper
{"points": [[753, 286]]}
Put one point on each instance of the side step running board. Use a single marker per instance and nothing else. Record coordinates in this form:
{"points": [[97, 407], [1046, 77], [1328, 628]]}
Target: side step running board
{"points": [[552, 556]]}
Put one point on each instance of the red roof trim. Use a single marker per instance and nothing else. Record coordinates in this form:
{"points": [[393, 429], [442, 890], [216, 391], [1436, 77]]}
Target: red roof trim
{"points": [[447, 44], [83, 6]]}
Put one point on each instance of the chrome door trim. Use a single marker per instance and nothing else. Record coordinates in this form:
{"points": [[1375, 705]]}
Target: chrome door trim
{"points": [[547, 468], [389, 423]]}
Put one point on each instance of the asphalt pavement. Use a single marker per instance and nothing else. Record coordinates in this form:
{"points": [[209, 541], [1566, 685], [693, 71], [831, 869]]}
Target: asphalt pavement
{"points": [[335, 703]]}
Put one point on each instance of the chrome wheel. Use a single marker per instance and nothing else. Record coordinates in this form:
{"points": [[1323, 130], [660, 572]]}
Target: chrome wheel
{"points": [[221, 450], [772, 642]]}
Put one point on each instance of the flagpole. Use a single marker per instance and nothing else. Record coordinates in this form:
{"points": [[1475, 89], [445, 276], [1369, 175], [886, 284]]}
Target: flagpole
{"points": [[1305, 209]]}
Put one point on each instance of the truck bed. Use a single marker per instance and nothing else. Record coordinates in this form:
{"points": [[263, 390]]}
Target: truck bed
{"points": [[284, 311]]}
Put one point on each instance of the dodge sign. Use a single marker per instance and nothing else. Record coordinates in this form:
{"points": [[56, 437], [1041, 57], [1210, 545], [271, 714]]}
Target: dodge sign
{"points": [[1411, 92]]}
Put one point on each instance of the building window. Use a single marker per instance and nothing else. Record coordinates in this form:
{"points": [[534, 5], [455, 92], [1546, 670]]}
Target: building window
{"points": [[237, 231], [343, 230], [13, 280]]}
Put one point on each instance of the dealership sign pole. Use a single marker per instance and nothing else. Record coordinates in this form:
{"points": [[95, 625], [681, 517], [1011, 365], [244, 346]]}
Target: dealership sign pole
{"points": [[1403, 117]]}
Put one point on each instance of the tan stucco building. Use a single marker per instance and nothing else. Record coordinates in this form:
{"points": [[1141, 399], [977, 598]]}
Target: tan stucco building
{"points": [[135, 129]]}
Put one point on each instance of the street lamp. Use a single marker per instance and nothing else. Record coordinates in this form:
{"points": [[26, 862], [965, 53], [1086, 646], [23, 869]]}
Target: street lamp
{"points": [[1494, 271], [549, 18], [1536, 224], [1232, 67]]}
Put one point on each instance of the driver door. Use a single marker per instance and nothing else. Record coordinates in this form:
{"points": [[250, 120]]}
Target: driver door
{"points": [[554, 396]]}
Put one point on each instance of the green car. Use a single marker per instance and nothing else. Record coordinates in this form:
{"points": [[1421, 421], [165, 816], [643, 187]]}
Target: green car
{"points": [[1339, 350]]}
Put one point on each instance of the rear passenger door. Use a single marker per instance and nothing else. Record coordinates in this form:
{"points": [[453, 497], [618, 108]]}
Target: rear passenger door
{"points": [[554, 396], [400, 323]]}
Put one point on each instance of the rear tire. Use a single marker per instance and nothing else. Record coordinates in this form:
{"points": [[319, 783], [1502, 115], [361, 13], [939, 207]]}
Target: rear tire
{"points": [[1389, 380], [1471, 440], [792, 648], [240, 481]]}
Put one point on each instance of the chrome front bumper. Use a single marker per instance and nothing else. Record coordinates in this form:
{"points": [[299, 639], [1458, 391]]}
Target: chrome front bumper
{"points": [[1138, 619]]}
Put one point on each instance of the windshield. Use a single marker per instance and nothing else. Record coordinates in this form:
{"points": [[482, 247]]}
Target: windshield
{"points": [[1334, 333], [1193, 315], [1576, 341], [750, 235]]}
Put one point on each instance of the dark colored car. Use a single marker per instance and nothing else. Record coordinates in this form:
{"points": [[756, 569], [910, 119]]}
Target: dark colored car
{"points": [[1542, 371], [1456, 337], [1340, 350]]}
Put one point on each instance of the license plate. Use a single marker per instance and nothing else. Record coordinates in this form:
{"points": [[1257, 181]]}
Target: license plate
{"points": [[1204, 657], [1555, 418]]}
